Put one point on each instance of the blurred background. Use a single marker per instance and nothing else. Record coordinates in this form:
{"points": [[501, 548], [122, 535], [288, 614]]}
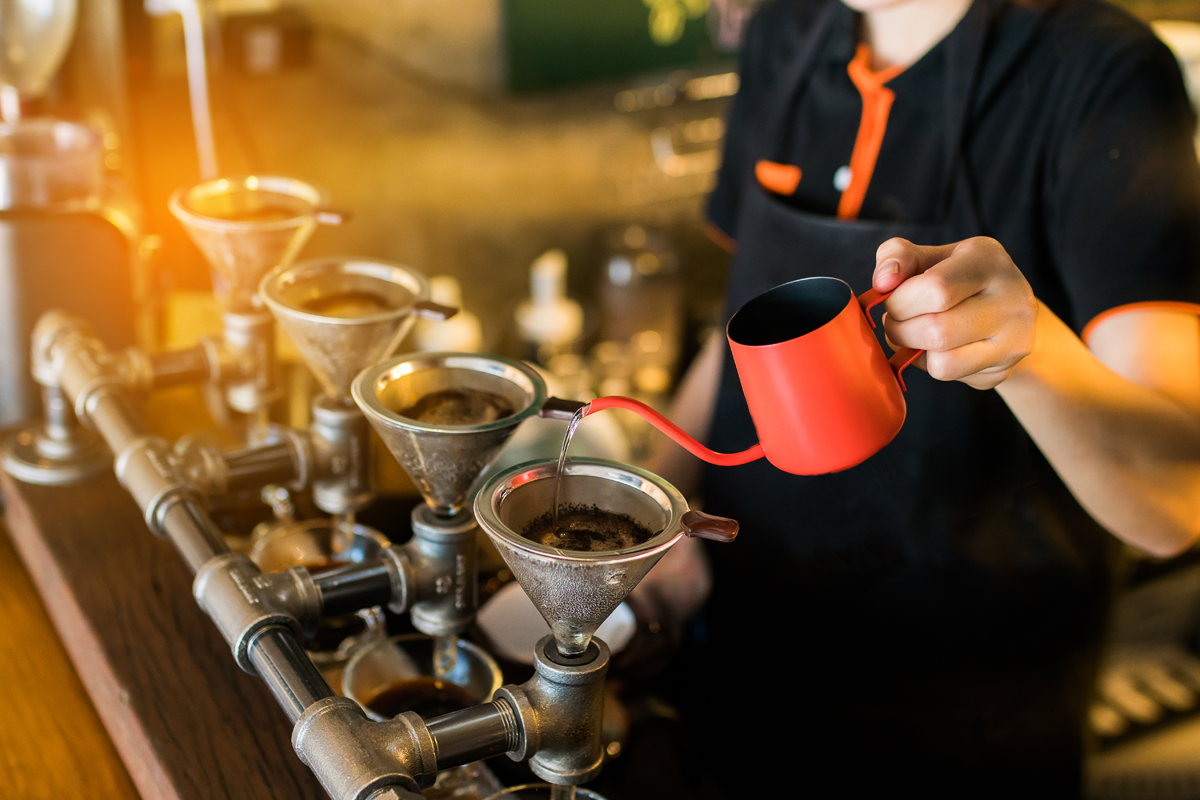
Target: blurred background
{"points": [[548, 160]]}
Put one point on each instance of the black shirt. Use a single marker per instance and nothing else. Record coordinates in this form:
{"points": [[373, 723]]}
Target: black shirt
{"points": [[1080, 149], [935, 613]]}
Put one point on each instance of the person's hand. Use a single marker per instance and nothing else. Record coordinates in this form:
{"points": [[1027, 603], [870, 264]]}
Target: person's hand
{"points": [[966, 304]]}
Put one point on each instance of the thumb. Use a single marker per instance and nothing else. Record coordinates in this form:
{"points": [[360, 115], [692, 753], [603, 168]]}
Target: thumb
{"points": [[897, 260]]}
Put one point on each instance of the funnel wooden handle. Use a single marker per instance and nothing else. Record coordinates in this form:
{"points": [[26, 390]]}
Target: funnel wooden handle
{"points": [[699, 525], [431, 310], [332, 216]]}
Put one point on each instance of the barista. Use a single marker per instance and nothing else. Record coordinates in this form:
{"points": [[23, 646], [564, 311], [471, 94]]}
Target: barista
{"points": [[1024, 173]]}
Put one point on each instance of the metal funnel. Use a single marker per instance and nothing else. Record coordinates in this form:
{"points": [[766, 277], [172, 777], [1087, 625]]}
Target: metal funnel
{"points": [[576, 591], [445, 460], [247, 226], [344, 314]]}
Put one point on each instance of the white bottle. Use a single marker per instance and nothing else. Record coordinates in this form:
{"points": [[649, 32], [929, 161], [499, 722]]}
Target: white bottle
{"points": [[462, 333], [549, 321]]}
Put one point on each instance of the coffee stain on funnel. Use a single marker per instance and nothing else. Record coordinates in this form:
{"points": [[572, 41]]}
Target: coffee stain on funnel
{"points": [[444, 461], [576, 591], [246, 227], [379, 301]]}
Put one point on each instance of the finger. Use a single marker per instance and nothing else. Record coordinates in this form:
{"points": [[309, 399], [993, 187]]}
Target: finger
{"points": [[897, 260], [939, 289], [964, 269], [975, 360], [971, 320]]}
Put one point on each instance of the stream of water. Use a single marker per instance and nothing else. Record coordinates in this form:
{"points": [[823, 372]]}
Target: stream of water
{"points": [[562, 463]]}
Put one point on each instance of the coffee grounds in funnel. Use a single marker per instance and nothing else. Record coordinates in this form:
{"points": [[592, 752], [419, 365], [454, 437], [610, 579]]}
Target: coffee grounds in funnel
{"points": [[348, 305], [587, 529], [252, 206], [459, 407]]}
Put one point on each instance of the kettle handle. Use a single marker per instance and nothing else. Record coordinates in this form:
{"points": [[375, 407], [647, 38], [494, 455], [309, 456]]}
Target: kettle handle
{"points": [[902, 357], [557, 408]]}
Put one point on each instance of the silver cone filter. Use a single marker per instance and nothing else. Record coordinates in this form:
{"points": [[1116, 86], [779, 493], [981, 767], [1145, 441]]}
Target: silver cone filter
{"points": [[445, 460], [245, 227], [576, 591], [343, 314]]}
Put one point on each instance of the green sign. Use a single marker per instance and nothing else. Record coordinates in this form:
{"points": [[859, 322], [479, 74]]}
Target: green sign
{"points": [[554, 43]]}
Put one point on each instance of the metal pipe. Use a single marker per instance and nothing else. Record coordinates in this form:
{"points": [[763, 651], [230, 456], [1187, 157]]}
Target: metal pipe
{"points": [[341, 444], [248, 340], [352, 757], [193, 533], [197, 73], [181, 367], [60, 419], [474, 733], [288, 672], [351, 588], [113, 418], [253, 467]]}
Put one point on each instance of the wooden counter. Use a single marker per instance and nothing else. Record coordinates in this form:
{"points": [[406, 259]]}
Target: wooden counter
{"points": [[52, 744], [186, 721]]}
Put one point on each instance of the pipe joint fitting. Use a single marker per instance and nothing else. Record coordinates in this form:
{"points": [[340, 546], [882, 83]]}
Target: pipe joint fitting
{"points": [[50, 331], [354, 758], [91, 393], [526, 737], [294, 591], [559, 713], [200, 462], [95, 372], [222, 365], [252, 381], [136, 369], [340, 438], [145, 468], [285, 460], [443, 555], [303, 457], [241, 602]]}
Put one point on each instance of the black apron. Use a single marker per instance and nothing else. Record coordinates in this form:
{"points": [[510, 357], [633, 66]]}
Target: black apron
{"points": [[931, 616]]}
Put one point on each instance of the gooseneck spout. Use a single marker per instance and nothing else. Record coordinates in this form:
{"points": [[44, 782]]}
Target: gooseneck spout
{"points": [[556, 408]]}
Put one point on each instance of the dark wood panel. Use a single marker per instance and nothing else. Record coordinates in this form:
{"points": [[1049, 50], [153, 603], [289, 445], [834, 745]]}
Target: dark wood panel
{"points": [[187, 722]]}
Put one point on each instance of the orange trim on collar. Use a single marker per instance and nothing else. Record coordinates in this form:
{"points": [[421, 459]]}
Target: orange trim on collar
{"points": [[1147, 305], [862, 74], [877, 104], [778, 178]]}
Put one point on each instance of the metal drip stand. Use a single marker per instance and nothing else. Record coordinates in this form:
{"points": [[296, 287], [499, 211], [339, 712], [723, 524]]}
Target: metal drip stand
{"points": [[553, 720]]}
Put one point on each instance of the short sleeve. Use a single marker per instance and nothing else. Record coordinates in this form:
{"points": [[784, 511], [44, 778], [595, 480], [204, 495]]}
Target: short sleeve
{"points": [[1123, 195]]}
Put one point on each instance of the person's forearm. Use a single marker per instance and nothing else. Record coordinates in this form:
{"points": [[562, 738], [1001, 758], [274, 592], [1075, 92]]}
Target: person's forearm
{"points": [[1130, 455]]}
